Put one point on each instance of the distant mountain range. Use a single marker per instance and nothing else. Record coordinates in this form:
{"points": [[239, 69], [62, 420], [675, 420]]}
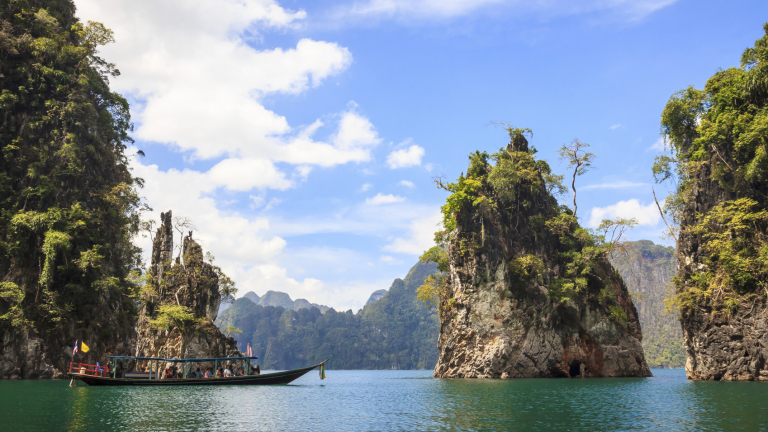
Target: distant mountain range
{"points": [[393, 331], [648, 275], [279, 299]]}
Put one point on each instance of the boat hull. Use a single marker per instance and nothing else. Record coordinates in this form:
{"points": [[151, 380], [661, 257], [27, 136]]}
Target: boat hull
{"points": [[275, 378]]}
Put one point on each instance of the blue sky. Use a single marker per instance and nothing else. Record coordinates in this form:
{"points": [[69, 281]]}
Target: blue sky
{"points": [[302, 137]]}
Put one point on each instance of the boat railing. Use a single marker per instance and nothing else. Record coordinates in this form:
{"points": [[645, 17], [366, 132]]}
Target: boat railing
{"points": [[87, 369]]}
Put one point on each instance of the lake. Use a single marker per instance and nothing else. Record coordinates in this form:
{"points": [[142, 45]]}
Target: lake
{"points": [[393, 400]]}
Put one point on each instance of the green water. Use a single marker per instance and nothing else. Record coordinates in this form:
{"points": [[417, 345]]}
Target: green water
{"points": [[393, 400]]}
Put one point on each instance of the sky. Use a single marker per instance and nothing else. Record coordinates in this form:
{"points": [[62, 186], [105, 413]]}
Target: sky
{"points": [[302, 138]]}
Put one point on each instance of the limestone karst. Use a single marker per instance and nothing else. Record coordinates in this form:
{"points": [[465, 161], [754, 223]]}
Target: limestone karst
{"points": [[526, 292], [178, 310]]}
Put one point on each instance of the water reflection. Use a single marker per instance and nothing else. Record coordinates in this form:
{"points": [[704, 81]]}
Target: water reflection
{"points": [[393, 400]]}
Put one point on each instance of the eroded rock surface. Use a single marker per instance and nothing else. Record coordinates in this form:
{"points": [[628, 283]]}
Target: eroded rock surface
{"points": [[496, 323], [721, 344], [191, 283]]}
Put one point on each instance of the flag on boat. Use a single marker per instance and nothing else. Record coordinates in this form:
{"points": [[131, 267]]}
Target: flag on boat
{"points": [[74, 351], [248, 352], [85, 347], [322, 371]]}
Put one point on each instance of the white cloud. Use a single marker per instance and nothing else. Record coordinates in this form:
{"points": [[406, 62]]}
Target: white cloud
{"points": [[384, 199], [623, 184], [407, 183], [390, 260], [366, 187], [658, 146], [197, 76], [614, 127], [447, 9], [421, 235], [408, 157], [200, 83], [645, 214]]}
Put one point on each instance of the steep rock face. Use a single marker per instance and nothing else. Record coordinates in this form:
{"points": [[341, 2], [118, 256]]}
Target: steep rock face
{"points": [[192, 284], [501, 319], [724, 346], [376, 296]]}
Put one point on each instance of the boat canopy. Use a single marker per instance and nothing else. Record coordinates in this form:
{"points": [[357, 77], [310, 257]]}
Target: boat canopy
{"points": [[182, 360]]}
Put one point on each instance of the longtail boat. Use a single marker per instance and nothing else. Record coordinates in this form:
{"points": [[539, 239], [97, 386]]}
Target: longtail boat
{"points": [[96, 375]]}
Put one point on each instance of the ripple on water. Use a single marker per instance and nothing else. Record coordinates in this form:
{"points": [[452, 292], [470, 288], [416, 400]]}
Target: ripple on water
{"points": [[393, 400]]}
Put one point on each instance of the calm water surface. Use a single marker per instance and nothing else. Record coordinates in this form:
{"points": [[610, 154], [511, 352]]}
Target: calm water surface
{"points": [[392, 400]]}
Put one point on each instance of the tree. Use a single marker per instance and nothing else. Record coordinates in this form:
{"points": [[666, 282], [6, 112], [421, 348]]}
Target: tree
{"points": [[716, 142], [170, 316], [231, 330], [68, 201], [578, 159]]}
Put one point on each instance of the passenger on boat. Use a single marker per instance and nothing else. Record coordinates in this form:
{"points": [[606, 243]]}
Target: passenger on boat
{"points": [[240, 372], [219, 373], [198, 374], [167, 373], [109, 369], [227, 373], [255, 370]]}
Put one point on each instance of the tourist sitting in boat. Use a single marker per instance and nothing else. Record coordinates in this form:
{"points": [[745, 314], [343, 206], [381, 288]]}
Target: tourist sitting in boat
{"points": [[167, 373], [240, 372], [227, 373], [219, 373], [109, 369], [198, 374], [255, 370]]}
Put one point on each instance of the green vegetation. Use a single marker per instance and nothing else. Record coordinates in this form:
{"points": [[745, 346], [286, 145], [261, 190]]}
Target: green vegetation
{"points": [[720, 134], [510, 194], [396, 331], [184, 284], [68, 202], [648, 270]]}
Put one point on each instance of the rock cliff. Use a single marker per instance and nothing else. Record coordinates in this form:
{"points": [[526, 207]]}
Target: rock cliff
{"points": [[182, 302], [726, 338], [527, 292], [717, 153]]}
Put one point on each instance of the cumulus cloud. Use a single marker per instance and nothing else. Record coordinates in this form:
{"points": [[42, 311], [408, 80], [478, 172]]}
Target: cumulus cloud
{"points": [[645, 214], [200, 81], [384, 199], [614, 127], [406, 157], [421, 235], [390, 260], [197, 74], [406, 183]]}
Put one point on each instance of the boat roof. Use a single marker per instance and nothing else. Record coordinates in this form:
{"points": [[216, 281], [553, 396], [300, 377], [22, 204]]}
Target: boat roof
{"points": [[181, 360]]}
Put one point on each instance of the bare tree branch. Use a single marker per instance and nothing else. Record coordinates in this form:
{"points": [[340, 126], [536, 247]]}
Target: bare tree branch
{"points": [[671, 233]]}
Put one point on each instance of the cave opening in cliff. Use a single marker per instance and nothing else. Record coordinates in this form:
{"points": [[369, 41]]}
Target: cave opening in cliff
{"points": [[575, 369]]}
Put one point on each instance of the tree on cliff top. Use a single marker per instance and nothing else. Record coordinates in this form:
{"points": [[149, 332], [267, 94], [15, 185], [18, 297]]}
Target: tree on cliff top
{"points": [[68, 199], [720, 134], [578, 159], [511, 192]]}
